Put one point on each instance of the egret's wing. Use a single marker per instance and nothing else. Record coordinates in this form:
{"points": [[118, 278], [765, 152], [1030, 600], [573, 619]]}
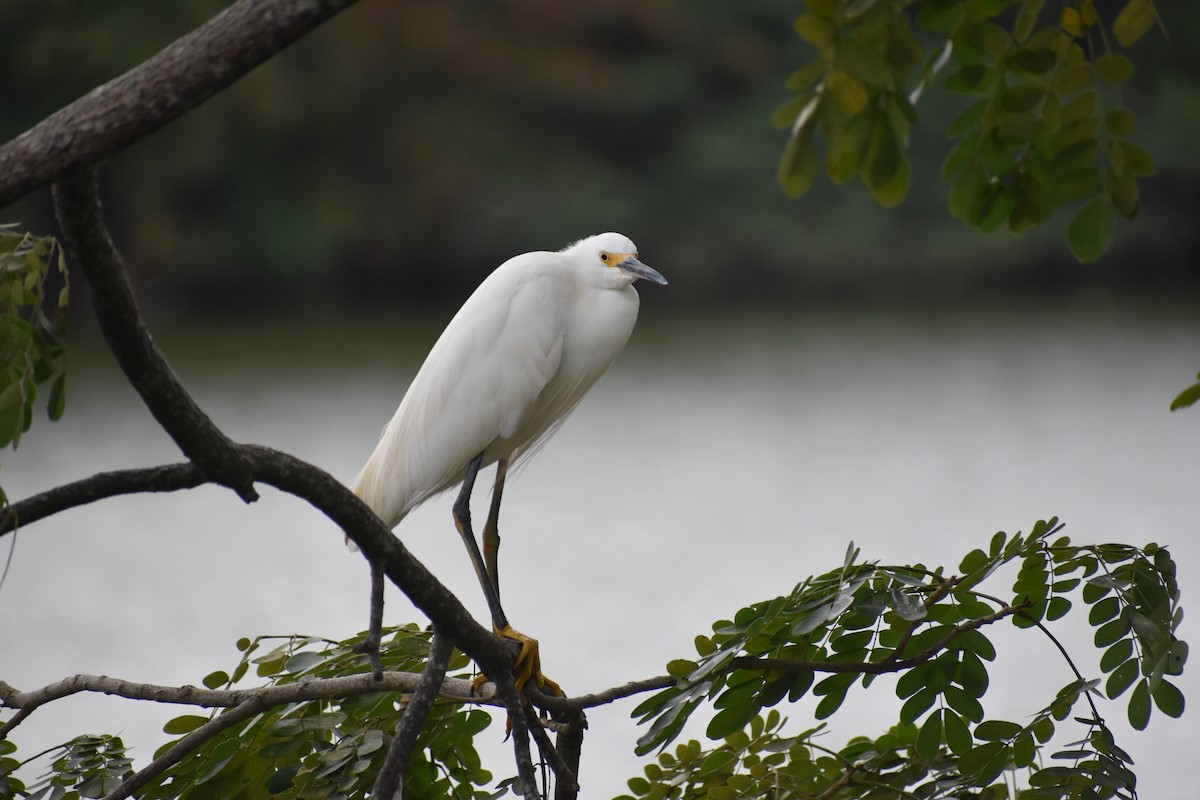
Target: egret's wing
{"points": [[478, 387]]}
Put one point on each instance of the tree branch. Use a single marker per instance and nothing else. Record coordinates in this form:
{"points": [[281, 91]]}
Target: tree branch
{"points": [[186, 745], [77, 205], [158, 91], [387, 783], [457, 689], [168, 478]]}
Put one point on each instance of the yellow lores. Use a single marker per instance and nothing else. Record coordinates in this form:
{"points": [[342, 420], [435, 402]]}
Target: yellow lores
{"points": [[512, 364]]}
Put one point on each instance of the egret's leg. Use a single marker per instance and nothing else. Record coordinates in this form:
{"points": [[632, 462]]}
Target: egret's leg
{"points": [[462, 521], [491, 531], [529, 663]]}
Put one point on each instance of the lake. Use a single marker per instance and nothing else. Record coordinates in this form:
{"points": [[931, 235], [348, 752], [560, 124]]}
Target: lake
{"points": [[725, 457]]}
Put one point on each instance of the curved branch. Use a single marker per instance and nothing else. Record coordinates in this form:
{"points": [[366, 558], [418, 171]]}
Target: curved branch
{"points": [[77, 205], [158, 91], [167, 478]]}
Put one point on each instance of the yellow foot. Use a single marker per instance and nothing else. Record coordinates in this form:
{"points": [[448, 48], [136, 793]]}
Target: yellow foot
{"points": [[528, 665]]}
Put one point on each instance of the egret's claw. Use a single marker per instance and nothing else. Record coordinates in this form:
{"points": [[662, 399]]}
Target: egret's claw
{"points": [[528, 665]]}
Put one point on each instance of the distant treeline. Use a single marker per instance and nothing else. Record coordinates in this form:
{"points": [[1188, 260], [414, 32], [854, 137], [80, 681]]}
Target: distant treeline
{"points": [[407, 147]]}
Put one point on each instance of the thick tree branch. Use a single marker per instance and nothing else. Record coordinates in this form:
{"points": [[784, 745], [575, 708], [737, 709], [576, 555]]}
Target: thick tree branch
{"points": [[158, 91], [77, 204], [168, 478]]}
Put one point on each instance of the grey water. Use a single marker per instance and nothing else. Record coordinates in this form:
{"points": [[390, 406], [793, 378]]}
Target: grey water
{"points": [[722, 459]]}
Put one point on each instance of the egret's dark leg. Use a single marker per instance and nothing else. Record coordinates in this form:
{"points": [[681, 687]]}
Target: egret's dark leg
{"points": [[528, 664], [491, 531], [462, 520]]}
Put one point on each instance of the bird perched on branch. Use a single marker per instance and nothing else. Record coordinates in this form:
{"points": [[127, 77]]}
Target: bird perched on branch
{"points": [[512, 364]]}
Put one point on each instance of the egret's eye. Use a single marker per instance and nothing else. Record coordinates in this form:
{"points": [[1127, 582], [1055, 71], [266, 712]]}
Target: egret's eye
{"points": [[605, 257]]}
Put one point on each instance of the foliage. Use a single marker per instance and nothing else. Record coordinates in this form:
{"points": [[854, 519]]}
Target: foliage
{"points": [[829, 635], [31, 329], [327, 749], [1187, 397], [1047, 129], [862, 620]]}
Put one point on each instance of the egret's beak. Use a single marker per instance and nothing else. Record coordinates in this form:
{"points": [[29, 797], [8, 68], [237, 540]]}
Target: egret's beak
{"points": [[639, 270]]}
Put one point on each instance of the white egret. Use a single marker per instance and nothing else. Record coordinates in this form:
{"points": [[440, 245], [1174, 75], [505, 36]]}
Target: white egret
{"points": [[512, 364]]}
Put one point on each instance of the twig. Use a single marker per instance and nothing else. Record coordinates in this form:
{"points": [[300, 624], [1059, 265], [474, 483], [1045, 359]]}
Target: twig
{"points": [[370, 645], [158, 91], [515, 705], [937, 594], [577, 704], [563, 774], [387, 784], [877, 667]]}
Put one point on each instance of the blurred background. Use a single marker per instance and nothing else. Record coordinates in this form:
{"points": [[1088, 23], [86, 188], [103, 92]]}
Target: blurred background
{"points": [[818, 370], [398, 153]]}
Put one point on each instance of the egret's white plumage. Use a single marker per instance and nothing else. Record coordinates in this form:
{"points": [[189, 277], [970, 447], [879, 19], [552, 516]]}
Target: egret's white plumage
{"points": [[512, 364]]}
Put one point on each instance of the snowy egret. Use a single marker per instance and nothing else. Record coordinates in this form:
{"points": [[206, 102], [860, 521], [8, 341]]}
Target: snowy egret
{"points": [[512, 364]]}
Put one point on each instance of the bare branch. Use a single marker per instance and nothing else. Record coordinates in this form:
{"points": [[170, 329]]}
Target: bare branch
{"points": [[387, 784], [564, 776], [168, 478], [569, 744], [457, 689], [158, 91], [569, 705]]}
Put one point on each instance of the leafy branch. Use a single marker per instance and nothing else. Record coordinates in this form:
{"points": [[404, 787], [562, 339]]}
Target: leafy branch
{"points": [[863, 620]]}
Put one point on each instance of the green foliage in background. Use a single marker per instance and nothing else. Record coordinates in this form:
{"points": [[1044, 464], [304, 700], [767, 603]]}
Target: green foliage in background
{"points": [[33, 320], [1046, 128], [832, 634], [403, 150]]}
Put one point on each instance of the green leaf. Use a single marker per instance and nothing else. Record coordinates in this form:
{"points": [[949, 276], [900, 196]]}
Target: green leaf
{"points": [[1122, 678], [1114, 67], [917, 705], [1134, 20], [728, 720], [1103, 611], [850, 95], [184, 724], [958, 735], [1116, 655], [799, 164], [815, 30], [215, 680], [997, 730], [929, 740], [1139, 706], [1169, 699], [1090, 233], [1187, 397]]}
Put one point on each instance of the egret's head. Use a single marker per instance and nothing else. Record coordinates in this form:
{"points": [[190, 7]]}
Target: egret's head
{"points": [[614, 251]]}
